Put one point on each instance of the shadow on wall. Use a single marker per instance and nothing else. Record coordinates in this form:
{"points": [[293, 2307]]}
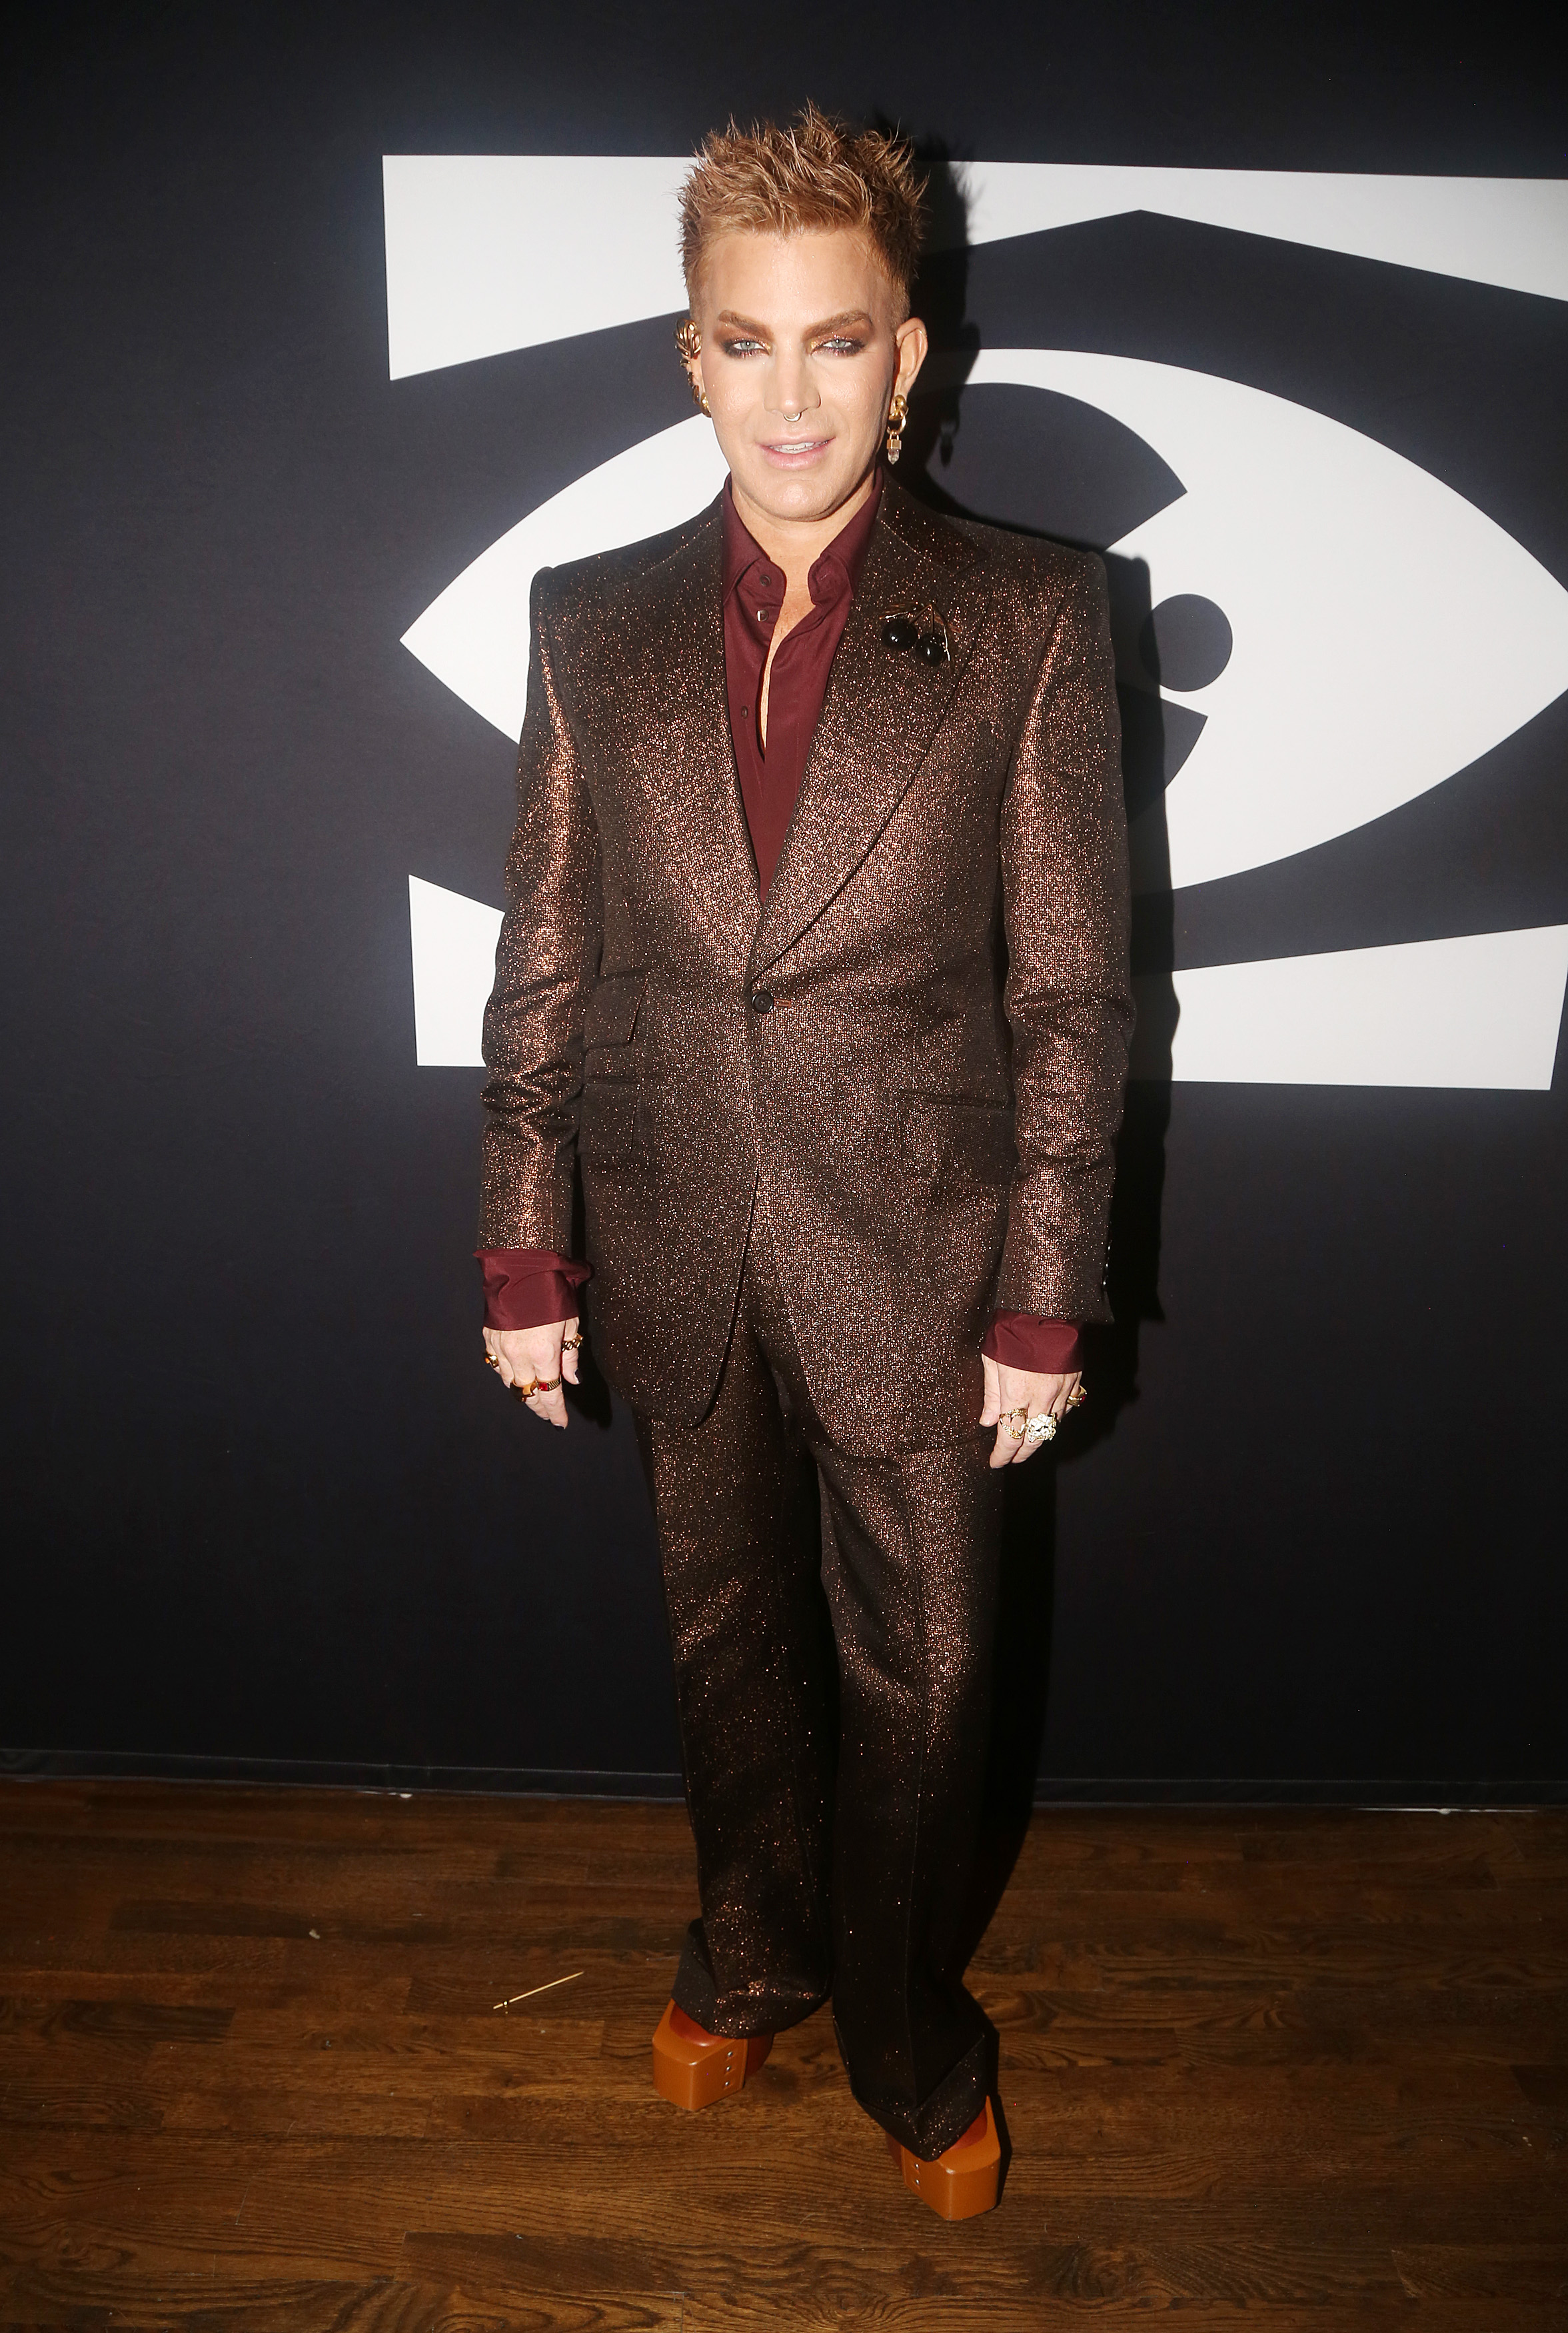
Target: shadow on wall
{"points": [[1046, 465]]}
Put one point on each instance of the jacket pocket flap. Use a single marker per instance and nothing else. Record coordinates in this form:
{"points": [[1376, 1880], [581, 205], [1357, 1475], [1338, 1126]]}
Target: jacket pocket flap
{"points": [[610, 1014], [948, 1135]]}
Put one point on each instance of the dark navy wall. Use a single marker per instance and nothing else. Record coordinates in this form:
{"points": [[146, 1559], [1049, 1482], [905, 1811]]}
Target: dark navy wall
{"points": [[262, 1503]]}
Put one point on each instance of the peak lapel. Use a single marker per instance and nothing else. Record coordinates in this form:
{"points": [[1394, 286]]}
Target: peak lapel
{"points": [[881, 711], [678, 729]]}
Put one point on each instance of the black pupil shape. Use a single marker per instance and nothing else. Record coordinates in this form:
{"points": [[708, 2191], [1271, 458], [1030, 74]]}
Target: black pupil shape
{"points": [[1185, 642]]}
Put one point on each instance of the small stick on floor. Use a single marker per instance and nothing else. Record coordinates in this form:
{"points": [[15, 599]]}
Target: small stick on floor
{"points": [[538, 1988]]}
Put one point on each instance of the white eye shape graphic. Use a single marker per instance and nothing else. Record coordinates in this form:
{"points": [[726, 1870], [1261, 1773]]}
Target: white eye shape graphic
{"points": [[475, 636], [1386, 633], [1383, 634]]}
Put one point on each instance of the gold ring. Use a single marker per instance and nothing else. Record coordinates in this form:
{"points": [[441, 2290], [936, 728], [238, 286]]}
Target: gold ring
{"points": [[1007, 1422], [1077, 1398], [571, 1344], [535, 1385], [491, 1362]]}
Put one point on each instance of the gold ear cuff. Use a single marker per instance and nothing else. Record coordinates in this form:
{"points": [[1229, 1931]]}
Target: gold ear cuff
{"points": [[689, 340]]}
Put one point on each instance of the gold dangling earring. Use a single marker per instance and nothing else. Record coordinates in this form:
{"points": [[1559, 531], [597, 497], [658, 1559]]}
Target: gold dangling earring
{"points": [[689, 340], [898, 414]]}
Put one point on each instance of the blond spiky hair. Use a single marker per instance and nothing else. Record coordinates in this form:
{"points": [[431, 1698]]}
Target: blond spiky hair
{"points": [[819, 172]]}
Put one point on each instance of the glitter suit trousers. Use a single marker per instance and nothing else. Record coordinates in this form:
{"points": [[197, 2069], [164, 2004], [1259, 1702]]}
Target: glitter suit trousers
{"points": [[832, 1857]]}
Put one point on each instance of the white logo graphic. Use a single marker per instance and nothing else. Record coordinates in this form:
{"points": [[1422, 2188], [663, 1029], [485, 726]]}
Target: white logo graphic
{"points": [[475, 636], [453, 942], [1363, 674], [492, 252], [1386, 632], [1475, 1011]]}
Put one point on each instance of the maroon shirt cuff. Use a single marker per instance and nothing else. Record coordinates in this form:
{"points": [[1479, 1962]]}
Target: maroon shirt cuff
{"points": [[529, 1287], [1023, 1340]]}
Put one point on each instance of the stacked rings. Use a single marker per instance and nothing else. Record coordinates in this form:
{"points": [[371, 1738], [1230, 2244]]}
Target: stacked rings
{"points": [[534, 1385]]}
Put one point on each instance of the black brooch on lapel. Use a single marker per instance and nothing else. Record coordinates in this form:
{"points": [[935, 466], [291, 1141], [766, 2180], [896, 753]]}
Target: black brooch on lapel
{"points": [[920, 628]]}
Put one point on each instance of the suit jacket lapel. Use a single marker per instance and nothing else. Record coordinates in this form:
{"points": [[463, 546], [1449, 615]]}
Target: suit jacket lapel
{"points": [[879, 716], [678, 723]]}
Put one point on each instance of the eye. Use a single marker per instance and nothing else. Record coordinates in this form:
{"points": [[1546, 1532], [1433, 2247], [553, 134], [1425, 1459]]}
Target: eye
{"points": [[1328, 563], [740, 348], [842, 344]]}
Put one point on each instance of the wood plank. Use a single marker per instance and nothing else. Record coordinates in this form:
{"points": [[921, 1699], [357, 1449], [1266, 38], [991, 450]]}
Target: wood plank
{"points": [[153, 2292], [1503, 2274]]}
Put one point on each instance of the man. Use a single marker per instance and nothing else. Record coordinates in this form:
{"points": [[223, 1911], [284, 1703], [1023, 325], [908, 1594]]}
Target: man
{"points": [[815, 963]]}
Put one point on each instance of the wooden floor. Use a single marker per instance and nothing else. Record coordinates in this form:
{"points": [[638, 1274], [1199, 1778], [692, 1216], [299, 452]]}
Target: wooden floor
{"points": [[1286, 2071]]}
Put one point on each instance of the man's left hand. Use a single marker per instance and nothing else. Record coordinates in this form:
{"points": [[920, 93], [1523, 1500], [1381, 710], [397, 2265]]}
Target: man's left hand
{"points": [[1015, 1396]]}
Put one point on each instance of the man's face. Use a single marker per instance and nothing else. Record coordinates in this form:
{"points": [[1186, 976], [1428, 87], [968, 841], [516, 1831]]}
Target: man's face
{"points": [[800, 325]]}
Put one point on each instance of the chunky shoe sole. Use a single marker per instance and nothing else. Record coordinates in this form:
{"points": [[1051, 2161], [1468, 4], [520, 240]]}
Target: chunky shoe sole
{"points": [[963, 2183], [693, 2069]]}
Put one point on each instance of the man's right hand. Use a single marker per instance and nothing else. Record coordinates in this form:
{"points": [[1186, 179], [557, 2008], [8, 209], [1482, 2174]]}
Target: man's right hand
{"points": [[534, 1356]]}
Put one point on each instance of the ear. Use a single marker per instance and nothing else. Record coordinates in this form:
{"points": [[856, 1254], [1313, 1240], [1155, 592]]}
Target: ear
{"points": [[913, 344], [689, 340]]}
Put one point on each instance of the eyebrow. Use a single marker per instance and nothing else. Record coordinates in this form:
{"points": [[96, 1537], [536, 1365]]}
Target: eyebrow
{"points": [[828, 324]]}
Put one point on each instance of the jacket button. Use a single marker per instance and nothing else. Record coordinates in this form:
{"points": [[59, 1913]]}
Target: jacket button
{"points": [[761, 999]]}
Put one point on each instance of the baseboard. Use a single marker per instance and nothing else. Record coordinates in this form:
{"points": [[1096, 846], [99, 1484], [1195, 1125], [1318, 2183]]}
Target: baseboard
{"points": [[1440, 1797], [1381, 1793], [334, 1773]]}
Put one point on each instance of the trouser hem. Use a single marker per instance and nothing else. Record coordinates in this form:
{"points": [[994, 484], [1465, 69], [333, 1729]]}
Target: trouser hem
{"points": [[759, 2009], [942, 2117]]}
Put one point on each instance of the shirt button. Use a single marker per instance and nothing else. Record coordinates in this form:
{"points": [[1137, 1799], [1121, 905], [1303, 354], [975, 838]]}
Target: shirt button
{"points": [[761, 999], [767, 615], [766, 581]]}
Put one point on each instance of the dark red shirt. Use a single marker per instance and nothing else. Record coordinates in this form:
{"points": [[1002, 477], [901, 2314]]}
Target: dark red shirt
{"points": [[526, 1288], [753, 596]]}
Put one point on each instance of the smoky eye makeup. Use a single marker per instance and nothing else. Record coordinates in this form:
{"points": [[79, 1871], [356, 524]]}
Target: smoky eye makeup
{"points": [[840, 344], [734, 340]]}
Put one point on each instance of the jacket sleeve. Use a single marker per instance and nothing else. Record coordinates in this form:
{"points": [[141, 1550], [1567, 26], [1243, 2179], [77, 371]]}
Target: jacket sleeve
{"points": [[1068, 995], [547, 954]]}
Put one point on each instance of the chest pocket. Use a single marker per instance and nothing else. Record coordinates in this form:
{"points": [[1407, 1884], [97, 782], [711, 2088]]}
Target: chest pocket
{"points": [[608, 1123]]}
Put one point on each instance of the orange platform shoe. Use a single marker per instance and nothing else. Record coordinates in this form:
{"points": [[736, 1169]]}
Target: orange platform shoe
{"points": [[695, 2069], [965, 2181]]}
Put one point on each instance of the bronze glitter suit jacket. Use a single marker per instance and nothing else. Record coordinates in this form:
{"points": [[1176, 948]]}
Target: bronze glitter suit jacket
{"points": [[912, 1055]]}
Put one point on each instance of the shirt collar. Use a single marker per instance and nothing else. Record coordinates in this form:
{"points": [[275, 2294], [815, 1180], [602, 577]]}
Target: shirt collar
{"points": [[848, 549]]}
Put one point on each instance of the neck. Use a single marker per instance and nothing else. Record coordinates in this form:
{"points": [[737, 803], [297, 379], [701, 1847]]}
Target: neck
{"points": [[795, 544]]}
